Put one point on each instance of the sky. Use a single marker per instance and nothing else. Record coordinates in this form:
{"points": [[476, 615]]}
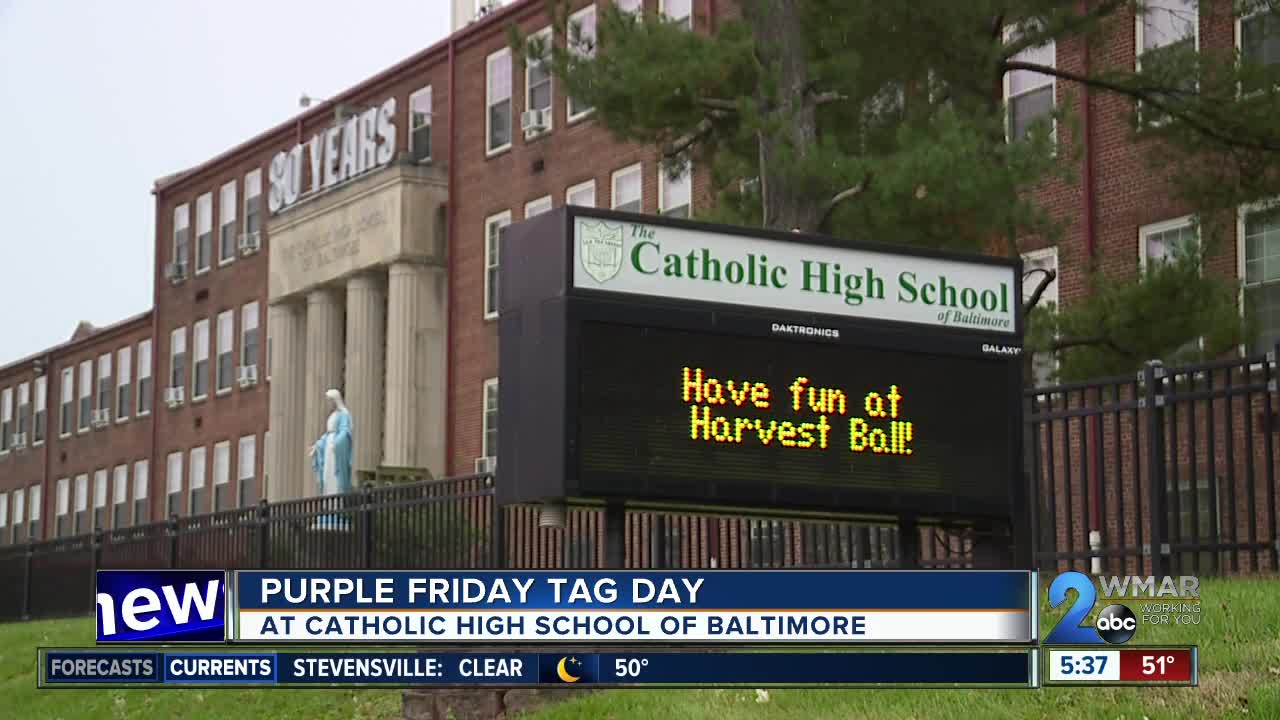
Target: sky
{"points": [[100, 99]]}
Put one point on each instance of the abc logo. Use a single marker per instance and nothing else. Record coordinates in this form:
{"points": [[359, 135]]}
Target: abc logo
{"points": [[1116, 624]]}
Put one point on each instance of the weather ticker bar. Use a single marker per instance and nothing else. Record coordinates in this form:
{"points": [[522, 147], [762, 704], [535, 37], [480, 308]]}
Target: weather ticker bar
{"points": [[863, 667]]}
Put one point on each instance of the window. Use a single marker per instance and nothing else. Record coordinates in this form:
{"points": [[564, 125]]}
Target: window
{"points": [[420, 124], [24, 412], [120, 497], [204, 232], [226, 357], [1159, 242], [99, 499], [631, 6], [582, 194], [1165, 30], [173, 484], [141, 476], [498, 101], [104, 384], [66, 411], [537, 83], [1260, 233], [246, 457], [1045, 364], [582, 43], [252, 201], [627, 192], [680, 11], [489, 436], [492, 233], [197, 481], [60, 511], [4, 516], [124, 383], [18, 497], [86, 395], [42, 410], [227, 223], [675, 194], [200, 359], [537, 207], [249, 335], [266, 326], [79, 518], [1258, 39], [144, 377], [6, 419], [182, 236], [222, 476], [35, 499], [1029, 96]]}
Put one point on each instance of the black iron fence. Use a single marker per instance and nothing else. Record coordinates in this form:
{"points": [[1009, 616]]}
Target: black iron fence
{"points": [[1170, 471]]}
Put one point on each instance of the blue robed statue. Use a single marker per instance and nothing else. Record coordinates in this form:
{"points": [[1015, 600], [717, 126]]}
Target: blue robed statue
{"points": [[331, 459]]}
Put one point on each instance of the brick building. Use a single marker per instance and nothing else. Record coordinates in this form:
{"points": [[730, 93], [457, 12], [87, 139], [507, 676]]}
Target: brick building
{"points": [[355, 247]]}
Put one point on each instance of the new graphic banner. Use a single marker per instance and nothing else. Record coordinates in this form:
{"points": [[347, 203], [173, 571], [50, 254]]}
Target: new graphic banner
{"points": [[99, 668], [717, 606]]}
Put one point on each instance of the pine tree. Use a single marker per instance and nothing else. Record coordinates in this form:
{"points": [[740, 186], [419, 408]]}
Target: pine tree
{"points": [[885, 121]]}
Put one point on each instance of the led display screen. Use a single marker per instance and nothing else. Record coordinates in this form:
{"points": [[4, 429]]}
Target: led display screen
{"points": [[684, 414]]}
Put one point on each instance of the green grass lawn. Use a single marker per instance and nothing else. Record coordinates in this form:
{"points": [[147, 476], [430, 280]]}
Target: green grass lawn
{"points": [[1239, 641]]}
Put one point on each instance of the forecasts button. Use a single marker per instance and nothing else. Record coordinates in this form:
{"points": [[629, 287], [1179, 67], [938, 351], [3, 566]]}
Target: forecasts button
{"points": [[101, 667]]}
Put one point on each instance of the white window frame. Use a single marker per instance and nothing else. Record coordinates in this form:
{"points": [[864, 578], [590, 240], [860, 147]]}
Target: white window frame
{"points": [[141, 479], [1035, 255], [105, 372], [204, 216], [1138, 51], [579, 188], [630, 6], [4, 511], [67, 398], [1011, 34], [197, 467], [485, 450], [663, 181], [544, 35], [413, 127], [6, 419], [687, 19], [62, 499], [250, 319], [179, 333], [182, 221], [1242, 214], [493, 259], [23, 399], [173, 478], [86, 391], [1156, 228], [489, 149], [576, 18], [227, 322], [221, 474], [40, 405], [252, 181], [19, 503], [533, 208], [232, 219], [144, 373], [246, 448], [195, 357], [1239, 43], [636, 169], [124, 378]]}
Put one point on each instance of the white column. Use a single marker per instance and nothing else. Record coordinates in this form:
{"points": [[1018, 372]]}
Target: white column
{"points": [[366, 345], [285, 456], [324, 369], [415, 425]]}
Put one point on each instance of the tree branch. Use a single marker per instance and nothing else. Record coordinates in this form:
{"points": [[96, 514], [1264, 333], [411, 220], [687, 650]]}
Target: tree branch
{"points": [[1069, 25], [843, 196], [1148, 96], [1045, 282], [1065, 343], [727, 106], [823, 98], [684, 142]]}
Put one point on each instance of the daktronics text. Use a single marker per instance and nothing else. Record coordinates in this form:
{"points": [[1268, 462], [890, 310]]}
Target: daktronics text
{"points": [[167, 606]]}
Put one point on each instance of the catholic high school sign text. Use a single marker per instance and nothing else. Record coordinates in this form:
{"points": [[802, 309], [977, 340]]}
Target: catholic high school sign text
{"points": [[742, 270]]}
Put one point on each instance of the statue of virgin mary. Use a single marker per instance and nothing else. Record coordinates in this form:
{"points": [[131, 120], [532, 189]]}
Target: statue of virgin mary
{"points": [[331, 453]]}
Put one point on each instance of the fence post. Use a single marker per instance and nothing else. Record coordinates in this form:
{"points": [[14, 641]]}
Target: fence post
{"points": [[95, 548], [1153, 402], [367, 537], [26, 581], [497, 529], [172, 530], [264, 533]]}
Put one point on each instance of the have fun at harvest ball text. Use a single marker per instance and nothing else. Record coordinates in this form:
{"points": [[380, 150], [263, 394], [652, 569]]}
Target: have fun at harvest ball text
{"points": [[706, 394]]}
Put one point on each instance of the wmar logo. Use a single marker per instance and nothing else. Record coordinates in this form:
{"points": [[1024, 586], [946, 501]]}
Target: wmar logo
{"points": [[1115, 624], [161, 606], [601, 249]]}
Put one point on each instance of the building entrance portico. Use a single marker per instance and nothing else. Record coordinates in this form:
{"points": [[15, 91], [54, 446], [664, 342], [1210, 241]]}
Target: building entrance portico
{"points": [[358, 301]]}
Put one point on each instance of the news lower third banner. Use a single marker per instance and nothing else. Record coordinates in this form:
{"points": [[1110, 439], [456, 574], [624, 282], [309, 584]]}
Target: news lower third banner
{"points": [[716, 606], [990, 667]]}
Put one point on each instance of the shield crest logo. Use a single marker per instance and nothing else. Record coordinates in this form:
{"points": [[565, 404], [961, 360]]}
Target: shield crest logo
{"points": [[601, 248]]}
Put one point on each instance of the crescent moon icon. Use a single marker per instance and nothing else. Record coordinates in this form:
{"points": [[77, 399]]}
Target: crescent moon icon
{"points": [[563, 673]]}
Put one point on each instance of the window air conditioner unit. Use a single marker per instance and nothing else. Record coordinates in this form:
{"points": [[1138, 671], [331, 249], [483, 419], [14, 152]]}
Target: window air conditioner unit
{"points": [[486, 465], [101, 418], [19, 441], [247, 376], [250, 243], [175, 272], [173, 396], [533, 122]]}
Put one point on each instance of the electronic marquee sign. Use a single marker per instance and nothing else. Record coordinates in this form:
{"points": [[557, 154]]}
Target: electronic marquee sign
{"points": [[673, 363]]}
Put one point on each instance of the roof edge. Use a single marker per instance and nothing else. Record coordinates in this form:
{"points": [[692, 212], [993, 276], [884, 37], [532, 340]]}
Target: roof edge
{"points": [[97, 334]]}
